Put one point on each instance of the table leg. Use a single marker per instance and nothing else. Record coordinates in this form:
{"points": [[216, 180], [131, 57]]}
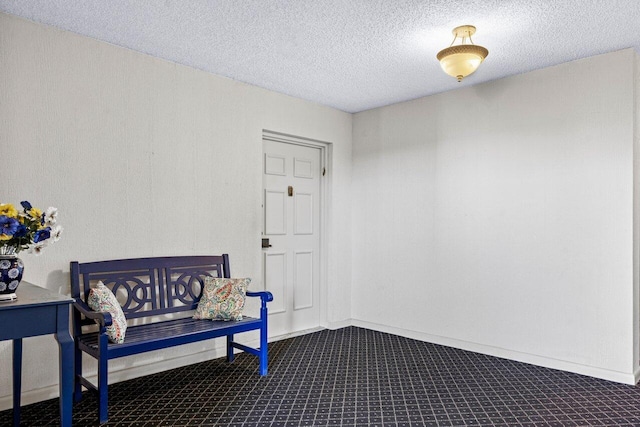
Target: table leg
{"points": [[65, 344], [17, 379]]}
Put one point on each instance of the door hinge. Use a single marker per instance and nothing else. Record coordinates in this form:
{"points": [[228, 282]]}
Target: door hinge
{"points": [[324, 171]]}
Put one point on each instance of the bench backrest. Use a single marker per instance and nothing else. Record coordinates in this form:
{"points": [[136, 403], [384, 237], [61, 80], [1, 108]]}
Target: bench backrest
{"points": [[148, 287]]}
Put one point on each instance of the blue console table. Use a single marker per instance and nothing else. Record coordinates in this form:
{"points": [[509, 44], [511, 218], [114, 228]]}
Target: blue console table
{"points": [[38, 311]]}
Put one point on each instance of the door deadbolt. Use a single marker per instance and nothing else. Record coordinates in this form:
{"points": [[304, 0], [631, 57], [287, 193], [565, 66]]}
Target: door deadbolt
{"points": [[290, 191]]}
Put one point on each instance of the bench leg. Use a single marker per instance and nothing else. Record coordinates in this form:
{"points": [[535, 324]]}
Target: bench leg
{"points": [[230, 355], [103, 387], [264, 346], [77, 363]]}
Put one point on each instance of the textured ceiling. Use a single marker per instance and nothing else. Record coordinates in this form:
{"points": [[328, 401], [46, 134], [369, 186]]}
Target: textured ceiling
{"points": [[349, 54]]}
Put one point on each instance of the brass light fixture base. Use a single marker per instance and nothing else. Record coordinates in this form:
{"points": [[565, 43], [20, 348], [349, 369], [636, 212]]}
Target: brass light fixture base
{"points": [[464, 31]]}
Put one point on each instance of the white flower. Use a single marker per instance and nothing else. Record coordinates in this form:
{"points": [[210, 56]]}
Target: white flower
{"points": [[37, 248], [50, 215], [13, 273], [56, 231], [3, 286], [13, 285]]}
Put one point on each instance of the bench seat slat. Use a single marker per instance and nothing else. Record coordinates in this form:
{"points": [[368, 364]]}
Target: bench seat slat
{"points": [[153, 336]]}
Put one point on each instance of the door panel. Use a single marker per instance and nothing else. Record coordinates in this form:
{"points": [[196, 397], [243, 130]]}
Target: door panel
{"points": [[275, 212], [275, 268], [303, 274], [303, 168], [303, 213], [291, 182], [274, 165]]}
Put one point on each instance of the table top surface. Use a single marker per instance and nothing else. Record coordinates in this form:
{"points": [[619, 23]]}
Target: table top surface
{"points": [[32, 295]]}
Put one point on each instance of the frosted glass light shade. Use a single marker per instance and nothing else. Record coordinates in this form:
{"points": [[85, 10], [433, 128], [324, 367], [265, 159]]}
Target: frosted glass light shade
{"points": [[461, 60]]}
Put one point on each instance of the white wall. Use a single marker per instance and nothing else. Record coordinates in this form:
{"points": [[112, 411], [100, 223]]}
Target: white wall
{"points": [[499, 218], [145, 157]]}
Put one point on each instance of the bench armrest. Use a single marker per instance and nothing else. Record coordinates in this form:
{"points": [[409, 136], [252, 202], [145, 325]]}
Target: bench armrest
{"points": [[265, 296], [102, 318]]}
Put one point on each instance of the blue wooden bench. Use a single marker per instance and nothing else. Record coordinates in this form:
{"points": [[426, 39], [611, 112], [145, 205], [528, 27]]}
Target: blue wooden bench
{"points": [[161, 288]]}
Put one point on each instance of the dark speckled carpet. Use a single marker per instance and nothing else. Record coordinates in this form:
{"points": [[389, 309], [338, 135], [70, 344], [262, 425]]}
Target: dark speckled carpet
{"points": [[354, 376]]}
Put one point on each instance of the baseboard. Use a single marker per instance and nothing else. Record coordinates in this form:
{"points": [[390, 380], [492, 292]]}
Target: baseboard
{"points": [[30, 396], [295, 334], [340, 324], [605, 374]]}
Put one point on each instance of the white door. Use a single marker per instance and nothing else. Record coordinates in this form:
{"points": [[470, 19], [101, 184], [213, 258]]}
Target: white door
{"points": [[291, 223]]}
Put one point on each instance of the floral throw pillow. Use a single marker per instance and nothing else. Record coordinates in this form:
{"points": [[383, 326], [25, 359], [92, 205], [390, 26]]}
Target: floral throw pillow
{"points": [[101, 299], [222, 299]]}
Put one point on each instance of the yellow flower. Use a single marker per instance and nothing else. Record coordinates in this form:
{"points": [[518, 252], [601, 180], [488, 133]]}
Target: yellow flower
{"points": [[8, 210], [35, 213], [5, 237]]}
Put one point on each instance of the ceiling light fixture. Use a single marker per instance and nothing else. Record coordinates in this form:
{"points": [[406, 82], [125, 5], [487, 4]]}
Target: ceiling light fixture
{"points": [[463, 59]]}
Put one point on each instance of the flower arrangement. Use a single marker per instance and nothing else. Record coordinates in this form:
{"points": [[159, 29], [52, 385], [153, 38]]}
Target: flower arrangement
{"points": [[31, 229]]}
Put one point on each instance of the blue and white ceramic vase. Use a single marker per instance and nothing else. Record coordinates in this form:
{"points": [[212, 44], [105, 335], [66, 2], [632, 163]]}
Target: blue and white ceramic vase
{"points": [[11, 269]]}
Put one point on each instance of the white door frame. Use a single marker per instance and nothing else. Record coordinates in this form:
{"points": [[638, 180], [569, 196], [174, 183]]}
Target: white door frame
{"points": [[325, 187]]}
